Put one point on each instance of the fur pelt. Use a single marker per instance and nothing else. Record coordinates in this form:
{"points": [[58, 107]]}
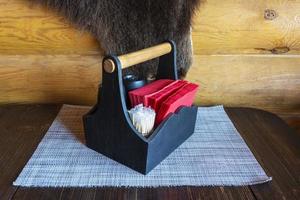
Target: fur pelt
{"points": [[123, 26]]}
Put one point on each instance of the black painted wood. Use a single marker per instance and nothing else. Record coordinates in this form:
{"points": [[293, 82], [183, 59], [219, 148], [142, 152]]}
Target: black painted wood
{"points": [[109, 130]]}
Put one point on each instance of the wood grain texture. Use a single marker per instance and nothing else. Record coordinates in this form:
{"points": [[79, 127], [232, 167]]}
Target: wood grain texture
{"points": [[247, 53], [232, 27], [143, 55], [267, 82], [235, 27], [271, 83], [49, 78], [274, 144], [22, 128], [29, 29]]}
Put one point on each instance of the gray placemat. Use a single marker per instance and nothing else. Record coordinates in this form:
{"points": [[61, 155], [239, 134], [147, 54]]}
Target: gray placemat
{"points": [[215, 154]]}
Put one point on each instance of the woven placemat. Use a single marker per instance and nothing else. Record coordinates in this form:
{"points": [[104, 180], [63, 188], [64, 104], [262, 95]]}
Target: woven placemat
{"points": [[215, 155]]}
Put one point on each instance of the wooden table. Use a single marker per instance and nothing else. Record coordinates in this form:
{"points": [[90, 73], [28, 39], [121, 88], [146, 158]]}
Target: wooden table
{"points": [[275, 145]]}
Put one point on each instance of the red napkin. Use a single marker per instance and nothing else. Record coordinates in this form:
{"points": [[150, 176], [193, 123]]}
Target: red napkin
{"points": [[155, 99], [137, 96], [164, 96], [183, 97]]}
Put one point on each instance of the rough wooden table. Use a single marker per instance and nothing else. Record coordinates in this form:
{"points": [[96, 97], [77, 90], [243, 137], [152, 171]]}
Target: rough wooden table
{"points": [[275, 145]]}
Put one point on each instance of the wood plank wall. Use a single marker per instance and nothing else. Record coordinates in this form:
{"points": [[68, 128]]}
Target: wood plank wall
{"points": [[246, 53]]}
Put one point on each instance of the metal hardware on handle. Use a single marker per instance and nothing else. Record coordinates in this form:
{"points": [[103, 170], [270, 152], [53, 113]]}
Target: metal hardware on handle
{"points": [[137, 57]]}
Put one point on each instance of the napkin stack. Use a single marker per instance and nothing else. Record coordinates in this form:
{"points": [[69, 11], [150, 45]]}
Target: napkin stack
{"points": [[163, 97]]}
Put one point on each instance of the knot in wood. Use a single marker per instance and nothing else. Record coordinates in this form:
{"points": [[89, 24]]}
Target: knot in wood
{"points": [[270, 14], [280, 50]]}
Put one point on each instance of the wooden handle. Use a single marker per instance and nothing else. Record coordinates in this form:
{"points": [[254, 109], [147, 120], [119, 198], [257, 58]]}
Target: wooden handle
{"points": [[140, 56]]}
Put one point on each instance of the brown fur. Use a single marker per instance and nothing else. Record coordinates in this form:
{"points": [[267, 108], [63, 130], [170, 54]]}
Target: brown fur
{"points": [[123, 26]]}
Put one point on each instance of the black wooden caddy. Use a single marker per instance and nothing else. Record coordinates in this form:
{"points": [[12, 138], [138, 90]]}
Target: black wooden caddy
{"points": [[108, 128]]}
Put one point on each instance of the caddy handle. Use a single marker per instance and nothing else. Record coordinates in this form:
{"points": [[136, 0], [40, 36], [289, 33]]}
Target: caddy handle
{"points": [[137, 57]]}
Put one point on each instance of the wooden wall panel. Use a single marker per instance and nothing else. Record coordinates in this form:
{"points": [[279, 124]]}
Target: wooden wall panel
{"points": [[235, 27], [271, 83], [27, 29], [49, 78], [227, 27], [241, 58], [266, 82]]}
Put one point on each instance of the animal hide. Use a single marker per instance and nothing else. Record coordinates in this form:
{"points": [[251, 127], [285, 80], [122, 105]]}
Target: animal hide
{"points": [[123, 26]]}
